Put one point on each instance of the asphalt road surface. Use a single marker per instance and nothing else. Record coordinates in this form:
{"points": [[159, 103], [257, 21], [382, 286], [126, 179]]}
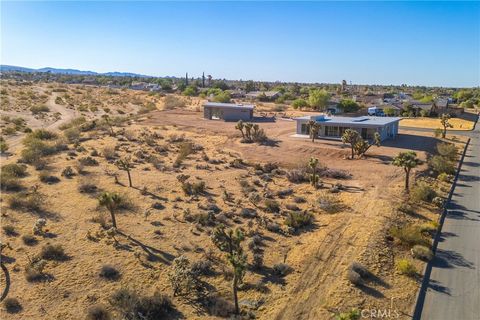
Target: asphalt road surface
{"points": [[453, 291]]}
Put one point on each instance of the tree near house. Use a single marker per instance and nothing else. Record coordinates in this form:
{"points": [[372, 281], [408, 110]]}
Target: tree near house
{"points": [[240, 126], [230, 242], [444, 120], [389, 111], [406, 160], [299, 104], [313, 129], [351, 136], [318, 99], [111, 201], [126, 165], [348, 105], [361, 146]]}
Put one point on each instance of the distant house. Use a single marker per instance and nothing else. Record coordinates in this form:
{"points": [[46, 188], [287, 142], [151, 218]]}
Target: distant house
{"points": [[139, 86], [228, 111], [333, 127], [237, 93], [259, 95], [443, 105], [418, 107]]}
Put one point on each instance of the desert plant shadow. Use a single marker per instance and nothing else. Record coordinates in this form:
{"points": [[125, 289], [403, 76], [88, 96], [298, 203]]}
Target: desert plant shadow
{"points": [[153, 253]]}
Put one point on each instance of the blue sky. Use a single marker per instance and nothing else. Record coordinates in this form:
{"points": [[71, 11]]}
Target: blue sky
{"points": [[417, 43]]}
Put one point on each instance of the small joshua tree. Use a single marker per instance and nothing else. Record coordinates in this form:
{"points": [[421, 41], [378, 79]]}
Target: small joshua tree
{"points": [[248, 130], [314, 128], [125, 165], [107, 120], [313, 163], [362, 146], [444, 120], [351, 136], [230, 242], [111, 201], [38, 227], [240, 126], [407, 160]]}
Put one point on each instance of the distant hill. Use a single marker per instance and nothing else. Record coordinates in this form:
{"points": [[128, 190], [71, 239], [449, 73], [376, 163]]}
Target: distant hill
{"points": [[7, 68]]}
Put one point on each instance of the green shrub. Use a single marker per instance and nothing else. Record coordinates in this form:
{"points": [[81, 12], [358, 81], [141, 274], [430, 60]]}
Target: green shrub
{"points": [[422, 253], [353, 314], [406, 267], [422, 192], [442, 165], [409, 235], [15, 170], [42, 134], [445, 177], [298, 219]]}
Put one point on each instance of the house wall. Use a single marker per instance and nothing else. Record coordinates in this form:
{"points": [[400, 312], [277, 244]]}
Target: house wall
{"points": [[229, 114]]}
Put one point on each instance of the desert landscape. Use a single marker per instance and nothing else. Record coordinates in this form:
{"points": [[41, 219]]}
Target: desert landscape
{"points": [[321, 239]]}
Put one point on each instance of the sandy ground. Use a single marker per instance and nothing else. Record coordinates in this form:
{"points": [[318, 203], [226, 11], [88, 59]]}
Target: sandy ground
{"points": [[319, 255], [464, 122]]}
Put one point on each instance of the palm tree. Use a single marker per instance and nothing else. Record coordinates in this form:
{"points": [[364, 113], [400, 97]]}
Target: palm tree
{"points": [[111, 201]]}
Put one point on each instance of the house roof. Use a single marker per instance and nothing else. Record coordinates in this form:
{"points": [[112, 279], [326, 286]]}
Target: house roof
{"points": [[351, 121], [267, 93], [228, 105]]}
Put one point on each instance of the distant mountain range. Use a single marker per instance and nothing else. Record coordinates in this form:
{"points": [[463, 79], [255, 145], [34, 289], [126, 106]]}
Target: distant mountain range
{"points": [[7, 68]]}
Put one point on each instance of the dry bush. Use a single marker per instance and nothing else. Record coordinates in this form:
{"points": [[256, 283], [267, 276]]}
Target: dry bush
{"points": [[422, 192], [171, 102], [109, 272], [134, 306], [45, 177], [410, 236], [109, 152], [196, 188], [9, 230], [422, 253], [297, 175], [272, 206], [281, 269], [34, 270], [12, 305], [184, 150], [98, 312], [27, 201], [39, 109], [87, 186], [88, 161], [29, 240], [298, 219], [329, 203], [53, 252], [441, 164]]}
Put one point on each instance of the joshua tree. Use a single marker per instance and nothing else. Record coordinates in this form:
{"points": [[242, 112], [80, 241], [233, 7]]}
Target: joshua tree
{"points": [[313, 163], [230, 242], [407, 160], [351, 136], [125, 165], [106, 118], [444, 120], [248, 130], [313, 129], [362, 146], [111, 201], [240, 126]]}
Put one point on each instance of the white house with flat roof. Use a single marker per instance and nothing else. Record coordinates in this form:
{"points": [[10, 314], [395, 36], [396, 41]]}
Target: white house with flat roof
{"points": [[228, 111], [332, 127]]}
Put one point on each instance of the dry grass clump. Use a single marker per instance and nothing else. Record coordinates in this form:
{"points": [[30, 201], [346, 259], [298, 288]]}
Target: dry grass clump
{"points": [[109, 152], [171, 102], [45, 177], [98, 312], [272, 206], [109, 272], [10, 175], [193, 189], [422, 252], [87, 186], [298, 219], [409, 236], [27, 201], [329, 203], [53, 252], [9, 230], [134, 306], [39, 109], [422, 192]]}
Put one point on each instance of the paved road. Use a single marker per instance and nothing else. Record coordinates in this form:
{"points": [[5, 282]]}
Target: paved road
{"points": [[454, 288]]}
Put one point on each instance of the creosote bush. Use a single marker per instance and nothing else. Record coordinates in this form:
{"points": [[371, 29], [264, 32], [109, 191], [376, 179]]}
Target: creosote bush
{"points": [[405, 267]]}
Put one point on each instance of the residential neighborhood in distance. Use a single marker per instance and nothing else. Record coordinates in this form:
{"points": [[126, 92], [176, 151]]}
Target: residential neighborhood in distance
{"points": [[176, 160]]}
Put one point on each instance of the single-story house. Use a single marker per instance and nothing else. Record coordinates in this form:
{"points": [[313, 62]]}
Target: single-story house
{"points": [[332, 127], [228, 111]]}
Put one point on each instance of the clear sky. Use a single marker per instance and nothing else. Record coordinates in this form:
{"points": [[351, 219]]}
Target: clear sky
{"points": [[417, 43]]}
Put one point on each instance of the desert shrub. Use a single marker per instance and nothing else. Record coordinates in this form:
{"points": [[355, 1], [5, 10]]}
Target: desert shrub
{"points": [[273, 227], [109, 152], [272, 206], [42, 134], [422, 192], [445, 177], [15, 170], [9, 230], [406, 208], [172, 102], [329, 203], [281, 269], [98, 312], [409, 235], [45, 177], [76, 122], [202, 268], [447, 150], [88, 161], [292, 207], [34, 270], [184, 150], [12, 305], [218, 306], [299, 199], [109, 272], [53, 252], [406, 267], [298, 219], [441, 165], [429, 227], [360, 269], [39, 109], [27, 201], [438, 201], [9, 182], [353, 314], [68, 172], [257, 261], [422, 253], [134, 306], [29, 239], [87, 186], [195, 188], [335, 174], [72, 134], [297, 176]]}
